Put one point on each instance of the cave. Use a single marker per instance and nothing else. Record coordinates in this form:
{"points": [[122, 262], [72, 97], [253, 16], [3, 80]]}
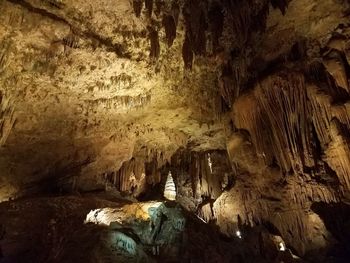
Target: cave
{"points": [[174, 131]]}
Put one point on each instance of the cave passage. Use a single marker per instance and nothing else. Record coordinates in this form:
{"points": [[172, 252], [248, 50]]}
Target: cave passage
{"points": [[174, 131]]}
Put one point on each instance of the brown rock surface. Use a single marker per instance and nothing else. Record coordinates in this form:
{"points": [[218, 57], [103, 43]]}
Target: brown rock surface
{"points": [[245, 102]]}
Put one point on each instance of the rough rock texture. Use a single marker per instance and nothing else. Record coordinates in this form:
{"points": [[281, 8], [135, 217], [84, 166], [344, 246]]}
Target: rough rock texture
{"points": [[245, 102], [63, 229], [92, 87]]}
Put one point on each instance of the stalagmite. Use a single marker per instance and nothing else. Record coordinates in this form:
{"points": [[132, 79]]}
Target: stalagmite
{"points": [[170, 188]]}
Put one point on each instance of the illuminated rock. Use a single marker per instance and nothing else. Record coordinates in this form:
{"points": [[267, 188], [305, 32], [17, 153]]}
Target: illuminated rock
{"points": [[170, 188]]}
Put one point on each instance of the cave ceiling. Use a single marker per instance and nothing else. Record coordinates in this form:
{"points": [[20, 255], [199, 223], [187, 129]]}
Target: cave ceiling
{"points": [[87, 85]]}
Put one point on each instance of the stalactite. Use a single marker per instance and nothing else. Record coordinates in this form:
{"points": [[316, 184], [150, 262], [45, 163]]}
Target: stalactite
{"points": [[138, 174], [229, 90], [130, 177], [175, 11], [278, 121], [154, 39], [187, 53], [149, 6], [71, 41], [170, 29], [137, 5], [281, 4], [216, 23], [159, 5], [321, 113], [326, 119], [210, 183]]}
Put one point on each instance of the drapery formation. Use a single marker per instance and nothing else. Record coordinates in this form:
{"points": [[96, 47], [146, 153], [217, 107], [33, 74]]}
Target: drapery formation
{"points": [[295, 125]]}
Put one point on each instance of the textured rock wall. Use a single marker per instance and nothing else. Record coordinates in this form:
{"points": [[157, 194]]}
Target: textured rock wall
{"points": [[90, 84], [291, 143]]}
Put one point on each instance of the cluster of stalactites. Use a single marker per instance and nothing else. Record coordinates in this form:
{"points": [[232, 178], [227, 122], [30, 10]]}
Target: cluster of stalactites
{"points": [[138, 173], [276, 115], [203, 172], [293, 123], [167, 13], [206, 23], [214, 26], [205, 183]]}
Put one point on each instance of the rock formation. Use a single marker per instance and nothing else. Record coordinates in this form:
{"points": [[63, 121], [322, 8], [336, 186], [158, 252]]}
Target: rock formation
{"points": [[245, 102]]}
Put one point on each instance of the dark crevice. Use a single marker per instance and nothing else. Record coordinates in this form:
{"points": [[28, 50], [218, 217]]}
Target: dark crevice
{"points": [[39, 11]]}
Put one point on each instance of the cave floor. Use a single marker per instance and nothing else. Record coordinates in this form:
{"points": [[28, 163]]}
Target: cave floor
{"points": [[59, 229]]}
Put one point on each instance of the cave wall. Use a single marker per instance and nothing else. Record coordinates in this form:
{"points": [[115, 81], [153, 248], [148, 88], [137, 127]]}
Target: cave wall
{"points": [[291, 138]]}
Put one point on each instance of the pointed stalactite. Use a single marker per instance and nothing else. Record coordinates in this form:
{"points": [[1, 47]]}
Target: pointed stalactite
{"points": [[187, 53], [149, 7], [200, 46], [196, 26], [175, 11], [159, 4], [154, 39], [205, 181], [216, 24], [281, 4], [170, 29], [137, 5]]}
